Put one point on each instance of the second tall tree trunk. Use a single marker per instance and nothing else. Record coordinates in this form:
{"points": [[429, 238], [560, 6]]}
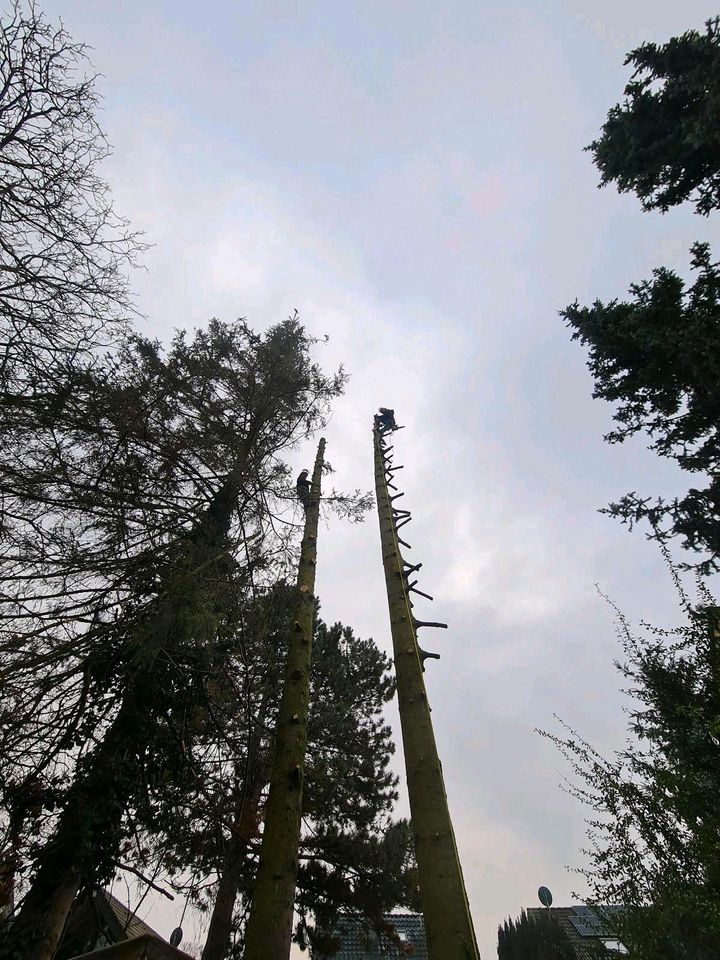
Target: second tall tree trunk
{"points": [[269, 929], [448, 925]]}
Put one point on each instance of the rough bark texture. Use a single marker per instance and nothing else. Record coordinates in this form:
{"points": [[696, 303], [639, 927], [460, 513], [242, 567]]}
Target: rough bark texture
{"points": [[448, 924], [269, 929], [245, 829], [219, 931]]}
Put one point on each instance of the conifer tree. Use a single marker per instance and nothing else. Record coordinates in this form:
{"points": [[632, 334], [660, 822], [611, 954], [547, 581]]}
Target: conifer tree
{"points": [[352, 857], [533, 937], [662, 141], [654, 823], [657, 355], [233, 403]]}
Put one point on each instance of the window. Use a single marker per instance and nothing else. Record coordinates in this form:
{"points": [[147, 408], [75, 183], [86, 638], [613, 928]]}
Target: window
{"points": [[615, 947]]}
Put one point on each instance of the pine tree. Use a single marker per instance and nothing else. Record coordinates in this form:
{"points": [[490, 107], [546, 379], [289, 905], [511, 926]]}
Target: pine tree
{"points": [[533, 937], [233, 402], [654, 822], [657, 358], [657, 355]]}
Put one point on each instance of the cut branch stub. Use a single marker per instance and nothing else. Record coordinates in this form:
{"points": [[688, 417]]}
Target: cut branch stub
{"points": [[411, 586], [429, 623], [424, 655]]}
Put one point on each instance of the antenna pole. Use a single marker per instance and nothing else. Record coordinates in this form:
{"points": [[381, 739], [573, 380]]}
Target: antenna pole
{"points": [[448, 924]]}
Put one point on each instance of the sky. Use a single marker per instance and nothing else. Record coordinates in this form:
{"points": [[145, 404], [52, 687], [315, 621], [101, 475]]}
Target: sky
{"points": [[411, 177]]}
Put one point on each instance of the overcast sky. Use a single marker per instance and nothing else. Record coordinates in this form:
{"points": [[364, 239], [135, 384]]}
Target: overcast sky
{"points": [[411, 178]]}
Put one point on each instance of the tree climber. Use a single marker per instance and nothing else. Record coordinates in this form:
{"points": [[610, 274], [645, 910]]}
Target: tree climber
{"points": [[303, 489], [386, 419]]}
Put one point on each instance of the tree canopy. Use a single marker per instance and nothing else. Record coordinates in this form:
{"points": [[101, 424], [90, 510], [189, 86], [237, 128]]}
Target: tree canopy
{"points": [[662, 141], [654, 823], [656, 357]]}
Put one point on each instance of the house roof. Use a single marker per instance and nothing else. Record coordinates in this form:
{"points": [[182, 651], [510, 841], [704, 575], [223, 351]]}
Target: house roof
{"points": [[125, 924], [584, 926], [359, 942], [147, 947]]}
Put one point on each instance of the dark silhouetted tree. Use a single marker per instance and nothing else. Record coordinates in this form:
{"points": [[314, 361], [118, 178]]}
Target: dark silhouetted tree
{"points": [[534, 937], [207, 826], [657, 358], [104, 673], [657, 355], [654, 819], [662, 141]]}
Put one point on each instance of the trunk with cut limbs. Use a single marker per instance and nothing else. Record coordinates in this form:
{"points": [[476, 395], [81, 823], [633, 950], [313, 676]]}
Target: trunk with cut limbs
{"points": [[448, 925], [269, 929]]}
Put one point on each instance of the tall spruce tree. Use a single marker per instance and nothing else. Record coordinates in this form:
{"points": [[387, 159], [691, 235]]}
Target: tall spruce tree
{"points": [[657, 358], [654, 822], [657, 355], [233, 402], [662, 141]]}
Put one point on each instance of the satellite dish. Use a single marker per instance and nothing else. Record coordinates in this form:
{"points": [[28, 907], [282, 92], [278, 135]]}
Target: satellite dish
{"points": [[544, 896], [176, 937]]}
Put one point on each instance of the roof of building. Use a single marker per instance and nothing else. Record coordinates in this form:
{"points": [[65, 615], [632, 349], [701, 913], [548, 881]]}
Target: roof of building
{"points": [[584, 926], [125, 924], [102, 925], [360, 942], [147, 947]]}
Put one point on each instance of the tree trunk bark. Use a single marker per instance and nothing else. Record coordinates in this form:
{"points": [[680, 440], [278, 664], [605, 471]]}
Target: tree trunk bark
{"points": [[269, 929], [94, 806], [245, 829], [218, 937], [448, 925], [97, 799]]}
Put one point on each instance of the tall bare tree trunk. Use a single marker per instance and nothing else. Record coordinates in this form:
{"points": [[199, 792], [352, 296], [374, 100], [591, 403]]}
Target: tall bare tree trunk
{"points": [[448, 925], [269, 929]]}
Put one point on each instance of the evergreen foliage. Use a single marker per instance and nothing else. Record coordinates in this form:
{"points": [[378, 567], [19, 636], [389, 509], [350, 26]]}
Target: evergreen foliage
{"points": [[654, 822], [533, 937], [654, 827], [352, 856], [657, 358], [662, 142], [657, 355], [167, 535]]}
